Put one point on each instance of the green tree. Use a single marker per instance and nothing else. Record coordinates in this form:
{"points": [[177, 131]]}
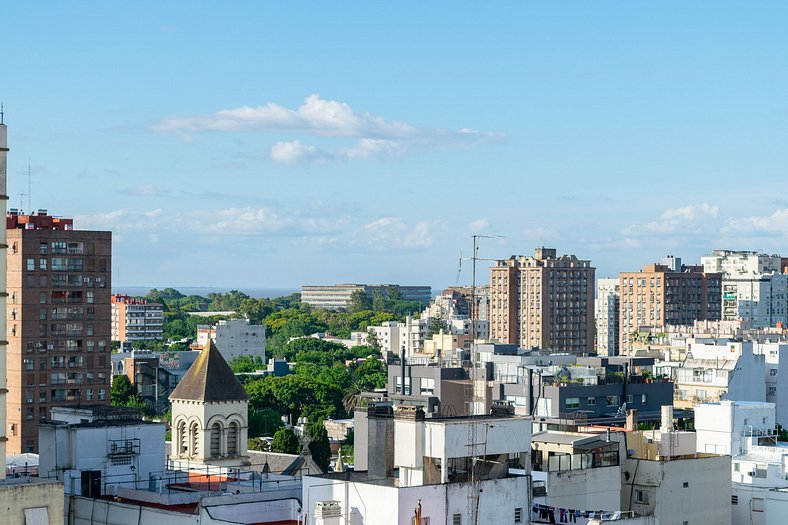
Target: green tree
{"points": [[359, 301], [319, 446], [285, 441], [436, 324], [122, 391], [372, 339], [246, 363], [264, 422]]}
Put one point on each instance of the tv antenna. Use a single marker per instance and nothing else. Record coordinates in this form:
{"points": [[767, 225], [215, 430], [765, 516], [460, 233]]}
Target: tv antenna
{"points": [[473, 487], [29, 189]]}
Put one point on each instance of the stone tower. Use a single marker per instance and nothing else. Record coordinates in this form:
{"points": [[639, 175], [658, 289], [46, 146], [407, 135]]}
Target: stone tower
{"points": [[210, 413]]}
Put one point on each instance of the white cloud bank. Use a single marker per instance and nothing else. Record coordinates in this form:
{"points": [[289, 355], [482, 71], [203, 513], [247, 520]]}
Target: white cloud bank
{"points": [[375, 137]]}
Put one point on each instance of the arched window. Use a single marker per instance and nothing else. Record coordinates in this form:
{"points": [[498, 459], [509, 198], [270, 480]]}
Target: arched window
{"points": [[232, 439], [216, 440], [182, 439], [194, 439]]}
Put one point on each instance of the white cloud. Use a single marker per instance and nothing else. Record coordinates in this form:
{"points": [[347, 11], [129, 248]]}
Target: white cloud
{"points": [[316, 116], [292, 152], [540, 233], [688, 219], [478, 225], [389, 233], [376, 137], [776, 223]]}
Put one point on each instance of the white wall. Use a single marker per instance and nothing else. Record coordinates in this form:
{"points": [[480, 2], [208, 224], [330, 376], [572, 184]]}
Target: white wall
{"points": [[720, 427], [593, 488]]}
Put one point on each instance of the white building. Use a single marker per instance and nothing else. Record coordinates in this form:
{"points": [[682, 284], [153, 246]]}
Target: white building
{"points": [[234, 338], [578, 471], [758, 463], [715, 370], [89, 448], [433, 461], [607, 305], [753, 286]]}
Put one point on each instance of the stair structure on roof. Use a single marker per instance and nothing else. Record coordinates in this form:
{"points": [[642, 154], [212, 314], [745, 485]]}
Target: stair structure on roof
{"points": [[210, 420]]}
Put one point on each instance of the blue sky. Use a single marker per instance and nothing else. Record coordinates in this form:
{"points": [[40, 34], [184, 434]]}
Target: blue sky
{"points": [[251, 144]]}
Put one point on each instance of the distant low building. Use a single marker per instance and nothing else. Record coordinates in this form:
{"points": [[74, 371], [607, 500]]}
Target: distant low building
{"points": [[337, 296], [234, 338], [135, 319]]}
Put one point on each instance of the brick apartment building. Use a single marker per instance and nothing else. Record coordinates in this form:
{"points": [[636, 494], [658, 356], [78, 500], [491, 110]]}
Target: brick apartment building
{"points": [[58, 315], [666, 294], [135, 319], [544, 302]]}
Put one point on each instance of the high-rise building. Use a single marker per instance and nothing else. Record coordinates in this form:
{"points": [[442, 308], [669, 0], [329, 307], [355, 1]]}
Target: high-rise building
{"points": [[58, 316], [607, 306], [754, 287], [659, 295], [135, 319], [3, 294], [543, 301]]}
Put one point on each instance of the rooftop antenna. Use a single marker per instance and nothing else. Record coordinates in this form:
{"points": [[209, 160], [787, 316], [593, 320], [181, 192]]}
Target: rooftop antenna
{"points": [[2, 114], [29, 187], [473, 487]]}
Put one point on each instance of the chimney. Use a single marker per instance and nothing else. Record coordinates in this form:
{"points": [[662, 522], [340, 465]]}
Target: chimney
{"points": [[666, 421], [328, 512], [380, 440], [632, 421]]}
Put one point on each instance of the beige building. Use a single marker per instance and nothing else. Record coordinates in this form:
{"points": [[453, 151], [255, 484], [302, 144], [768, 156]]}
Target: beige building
{"points": [[543, 301], [661, 295], [33, 501], [135, 319], [210, 418], [58, 315]]}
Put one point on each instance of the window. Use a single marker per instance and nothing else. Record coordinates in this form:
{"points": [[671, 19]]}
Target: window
{"points": [[611, 400], [89, 394], [630, 399], [58, 247], [736, 466], [760, 471], [644, 398], [572, 402], [42, 298], [641, 496], [102, 393], [89, 297], [685, 484], [757, 504], [518, 515], [427, 386], [591, 401], [734, 499], [456, 519], [59, 263], [31, 265], [42, 248]]}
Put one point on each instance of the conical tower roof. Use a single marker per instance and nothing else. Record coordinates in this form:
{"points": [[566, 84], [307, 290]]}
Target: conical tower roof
{"points": [[210, 378]]}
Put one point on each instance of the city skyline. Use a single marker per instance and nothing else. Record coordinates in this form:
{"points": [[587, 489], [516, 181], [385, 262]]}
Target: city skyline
{"points": [[240, 149]]}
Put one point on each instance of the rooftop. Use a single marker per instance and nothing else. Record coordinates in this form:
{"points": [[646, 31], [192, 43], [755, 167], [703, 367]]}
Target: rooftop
{"points": [[210, 378]]}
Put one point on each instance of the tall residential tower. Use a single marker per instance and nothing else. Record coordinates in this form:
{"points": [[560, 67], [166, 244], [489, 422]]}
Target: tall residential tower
{"points": [[3, 293], [544, 302], [58, 316]]}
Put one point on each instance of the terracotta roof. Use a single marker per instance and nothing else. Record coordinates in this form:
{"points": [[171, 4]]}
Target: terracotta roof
{"points": [[210, 378]]}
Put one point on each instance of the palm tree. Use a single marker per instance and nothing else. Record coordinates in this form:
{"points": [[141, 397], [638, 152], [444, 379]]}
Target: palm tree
{"points": [[352, 398]]}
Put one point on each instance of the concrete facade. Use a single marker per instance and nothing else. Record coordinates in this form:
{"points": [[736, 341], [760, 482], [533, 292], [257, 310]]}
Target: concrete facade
{"points": [[234, 338], [3, 294], [607, 313], [755, 289], [30, 500]]}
